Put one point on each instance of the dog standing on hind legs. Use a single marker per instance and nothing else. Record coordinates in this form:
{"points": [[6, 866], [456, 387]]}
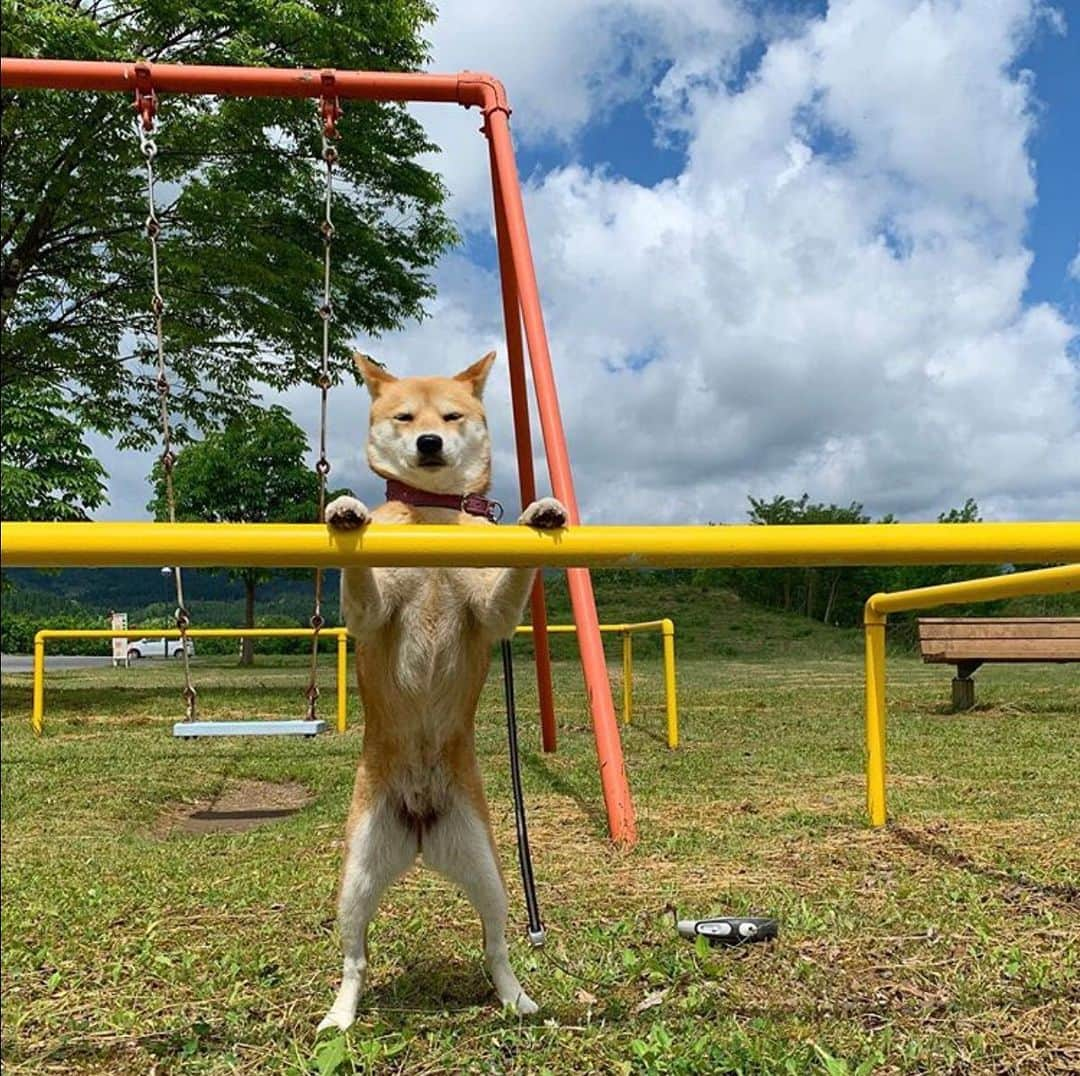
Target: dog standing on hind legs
{"points": [[424, 638]]}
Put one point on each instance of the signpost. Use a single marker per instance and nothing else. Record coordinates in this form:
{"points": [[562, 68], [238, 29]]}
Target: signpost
{"points": [[119, 622]]}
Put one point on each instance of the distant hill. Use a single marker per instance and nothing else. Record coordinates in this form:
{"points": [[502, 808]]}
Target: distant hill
{"points": [[99, 590], [710, 618]]}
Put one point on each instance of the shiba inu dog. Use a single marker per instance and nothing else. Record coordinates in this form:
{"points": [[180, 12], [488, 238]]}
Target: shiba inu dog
{"points": [[424, 638]]}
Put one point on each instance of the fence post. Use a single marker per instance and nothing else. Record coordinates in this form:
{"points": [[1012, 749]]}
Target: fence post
{"points": [[667, 627], [342, 680], [627, 677], [874, 630], [37, 713]]}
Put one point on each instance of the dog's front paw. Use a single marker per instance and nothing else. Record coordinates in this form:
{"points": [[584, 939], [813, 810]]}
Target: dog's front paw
{"points": [[546, 514], [346, 514]]}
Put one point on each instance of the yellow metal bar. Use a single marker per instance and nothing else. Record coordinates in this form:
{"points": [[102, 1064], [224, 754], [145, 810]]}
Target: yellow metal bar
{"points": [[668, 629], [286, 545], [1017, 584], [666, 626], [37, 713], [874, 629], [342, 680], [1041, 581]]}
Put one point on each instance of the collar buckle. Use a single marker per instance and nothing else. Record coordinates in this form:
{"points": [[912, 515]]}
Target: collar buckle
{"points": [[474, 504]]}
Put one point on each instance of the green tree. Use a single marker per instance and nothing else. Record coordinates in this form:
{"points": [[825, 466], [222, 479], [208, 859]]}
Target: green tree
{"points": [[251, 471], [910, 576], [819, 593], [241, 204]]}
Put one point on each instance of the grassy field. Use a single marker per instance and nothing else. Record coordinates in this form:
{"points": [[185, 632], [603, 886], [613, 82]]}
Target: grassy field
{"points": [[948, 943]]}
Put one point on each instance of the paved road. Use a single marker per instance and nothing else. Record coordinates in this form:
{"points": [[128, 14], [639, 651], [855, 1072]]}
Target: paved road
{"points": [[24, 663]]}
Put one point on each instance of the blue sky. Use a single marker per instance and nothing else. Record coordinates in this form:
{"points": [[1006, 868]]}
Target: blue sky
{"points": [[1054, 59], [781, 247], [623, 140]]}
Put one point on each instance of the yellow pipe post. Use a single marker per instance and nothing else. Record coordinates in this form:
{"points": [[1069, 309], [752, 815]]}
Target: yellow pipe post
{"points": [[1057, 580], [874, 631], [342, 680], [667, 628], [310, 545], [37, 713]]}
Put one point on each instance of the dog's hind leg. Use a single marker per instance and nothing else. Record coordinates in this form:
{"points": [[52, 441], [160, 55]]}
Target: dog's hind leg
{"points": [[380, 849], [460, 845]]}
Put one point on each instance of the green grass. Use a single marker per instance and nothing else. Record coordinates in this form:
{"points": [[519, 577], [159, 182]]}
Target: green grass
{"points": [[949, 943]]}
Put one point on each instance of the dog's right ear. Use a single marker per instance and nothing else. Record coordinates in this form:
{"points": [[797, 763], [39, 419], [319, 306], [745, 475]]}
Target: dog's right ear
{"points": [[375, 376]]}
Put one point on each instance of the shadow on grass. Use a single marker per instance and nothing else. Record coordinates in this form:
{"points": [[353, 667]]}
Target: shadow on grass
{"points": [[536, 765], [430, 985], [934, 849]]}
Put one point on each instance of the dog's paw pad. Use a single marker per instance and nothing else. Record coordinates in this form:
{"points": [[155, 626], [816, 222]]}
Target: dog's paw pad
{"points": [[546, 514], [346, 514]]}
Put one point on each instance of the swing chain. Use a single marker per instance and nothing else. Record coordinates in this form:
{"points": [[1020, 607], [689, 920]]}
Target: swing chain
{"points": [[146, 105], [330, 112]]}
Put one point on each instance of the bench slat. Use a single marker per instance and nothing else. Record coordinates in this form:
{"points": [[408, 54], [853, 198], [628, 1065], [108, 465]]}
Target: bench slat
{"points": [[951, 650], [1006, 629]]}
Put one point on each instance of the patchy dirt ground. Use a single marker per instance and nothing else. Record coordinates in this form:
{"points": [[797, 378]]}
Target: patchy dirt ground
{"points": [[240, 806]]}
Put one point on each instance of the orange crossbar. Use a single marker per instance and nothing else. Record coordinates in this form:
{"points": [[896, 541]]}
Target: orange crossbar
{"points": [[520, 290], [468, 88]]}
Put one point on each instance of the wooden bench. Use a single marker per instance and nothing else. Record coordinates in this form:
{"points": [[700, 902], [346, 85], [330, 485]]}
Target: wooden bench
{"points": [[968, 642]]}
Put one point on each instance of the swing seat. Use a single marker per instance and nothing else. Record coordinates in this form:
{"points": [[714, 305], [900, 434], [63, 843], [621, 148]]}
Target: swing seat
{"points": [[189, 730]]}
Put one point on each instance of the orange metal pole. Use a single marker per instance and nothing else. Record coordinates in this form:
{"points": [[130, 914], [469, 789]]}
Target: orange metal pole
{"points": [[620, 807], [466, 88], [519, 398]]}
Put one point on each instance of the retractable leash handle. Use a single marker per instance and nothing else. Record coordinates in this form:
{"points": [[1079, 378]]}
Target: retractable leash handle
{"points": [[734, 930], [536, 927]]}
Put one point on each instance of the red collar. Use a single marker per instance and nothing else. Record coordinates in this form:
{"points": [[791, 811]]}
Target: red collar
{"points": [[472, 504]]}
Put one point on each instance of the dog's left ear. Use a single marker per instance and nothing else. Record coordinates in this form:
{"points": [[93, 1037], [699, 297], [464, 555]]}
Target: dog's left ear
{"points": [[476, 375]]}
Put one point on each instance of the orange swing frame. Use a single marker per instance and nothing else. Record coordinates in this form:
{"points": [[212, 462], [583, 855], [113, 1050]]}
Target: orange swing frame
{"points": [[521, 305]]}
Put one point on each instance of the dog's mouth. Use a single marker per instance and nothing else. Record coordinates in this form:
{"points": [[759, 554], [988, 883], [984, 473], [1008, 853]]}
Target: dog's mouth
{"points": [[431, 463]]}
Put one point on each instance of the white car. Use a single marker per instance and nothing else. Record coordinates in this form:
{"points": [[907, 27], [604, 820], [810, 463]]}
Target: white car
{"points": [[158, 648]]}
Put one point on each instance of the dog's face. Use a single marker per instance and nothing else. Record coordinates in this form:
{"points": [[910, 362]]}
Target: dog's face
{"points": [[430, 432]]}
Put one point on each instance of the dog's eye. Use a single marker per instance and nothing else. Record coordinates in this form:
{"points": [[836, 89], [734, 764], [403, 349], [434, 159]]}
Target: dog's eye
{"points": [[403, 416], [452, 416]]}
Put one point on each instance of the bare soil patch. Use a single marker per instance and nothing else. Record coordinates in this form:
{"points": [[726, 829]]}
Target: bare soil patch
{"points": [[240, 806]]}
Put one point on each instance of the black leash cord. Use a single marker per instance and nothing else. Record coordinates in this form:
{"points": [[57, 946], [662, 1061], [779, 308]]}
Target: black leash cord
{"points": [[536, 928]]}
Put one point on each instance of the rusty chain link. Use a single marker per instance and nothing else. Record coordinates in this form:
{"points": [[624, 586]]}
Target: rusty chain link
{"points": [[329, 111], [146, 104]]}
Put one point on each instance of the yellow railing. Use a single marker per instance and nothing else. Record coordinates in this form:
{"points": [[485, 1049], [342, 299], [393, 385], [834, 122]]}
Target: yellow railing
{"points": [[875, 615], [287, 545], [666, 628], [37, 712]]}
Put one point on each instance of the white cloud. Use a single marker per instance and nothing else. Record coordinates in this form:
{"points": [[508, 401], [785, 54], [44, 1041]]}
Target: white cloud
{"points": [[831, 292], [1073, 269], [830, 296]]}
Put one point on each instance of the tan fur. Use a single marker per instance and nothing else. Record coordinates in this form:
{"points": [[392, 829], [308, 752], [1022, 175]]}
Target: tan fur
{"points": [[424, 638]]}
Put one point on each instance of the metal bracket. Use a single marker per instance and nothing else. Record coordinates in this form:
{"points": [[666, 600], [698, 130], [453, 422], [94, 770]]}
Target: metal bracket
{"points": [[329, 107], [145, 98]]}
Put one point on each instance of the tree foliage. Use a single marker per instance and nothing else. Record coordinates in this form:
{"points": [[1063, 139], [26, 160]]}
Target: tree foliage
{"points": [[240, 202], [836, 595]]}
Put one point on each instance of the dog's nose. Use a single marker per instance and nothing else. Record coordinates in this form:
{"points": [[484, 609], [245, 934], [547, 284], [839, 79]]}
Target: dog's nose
{"points": [[429, 444]]}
